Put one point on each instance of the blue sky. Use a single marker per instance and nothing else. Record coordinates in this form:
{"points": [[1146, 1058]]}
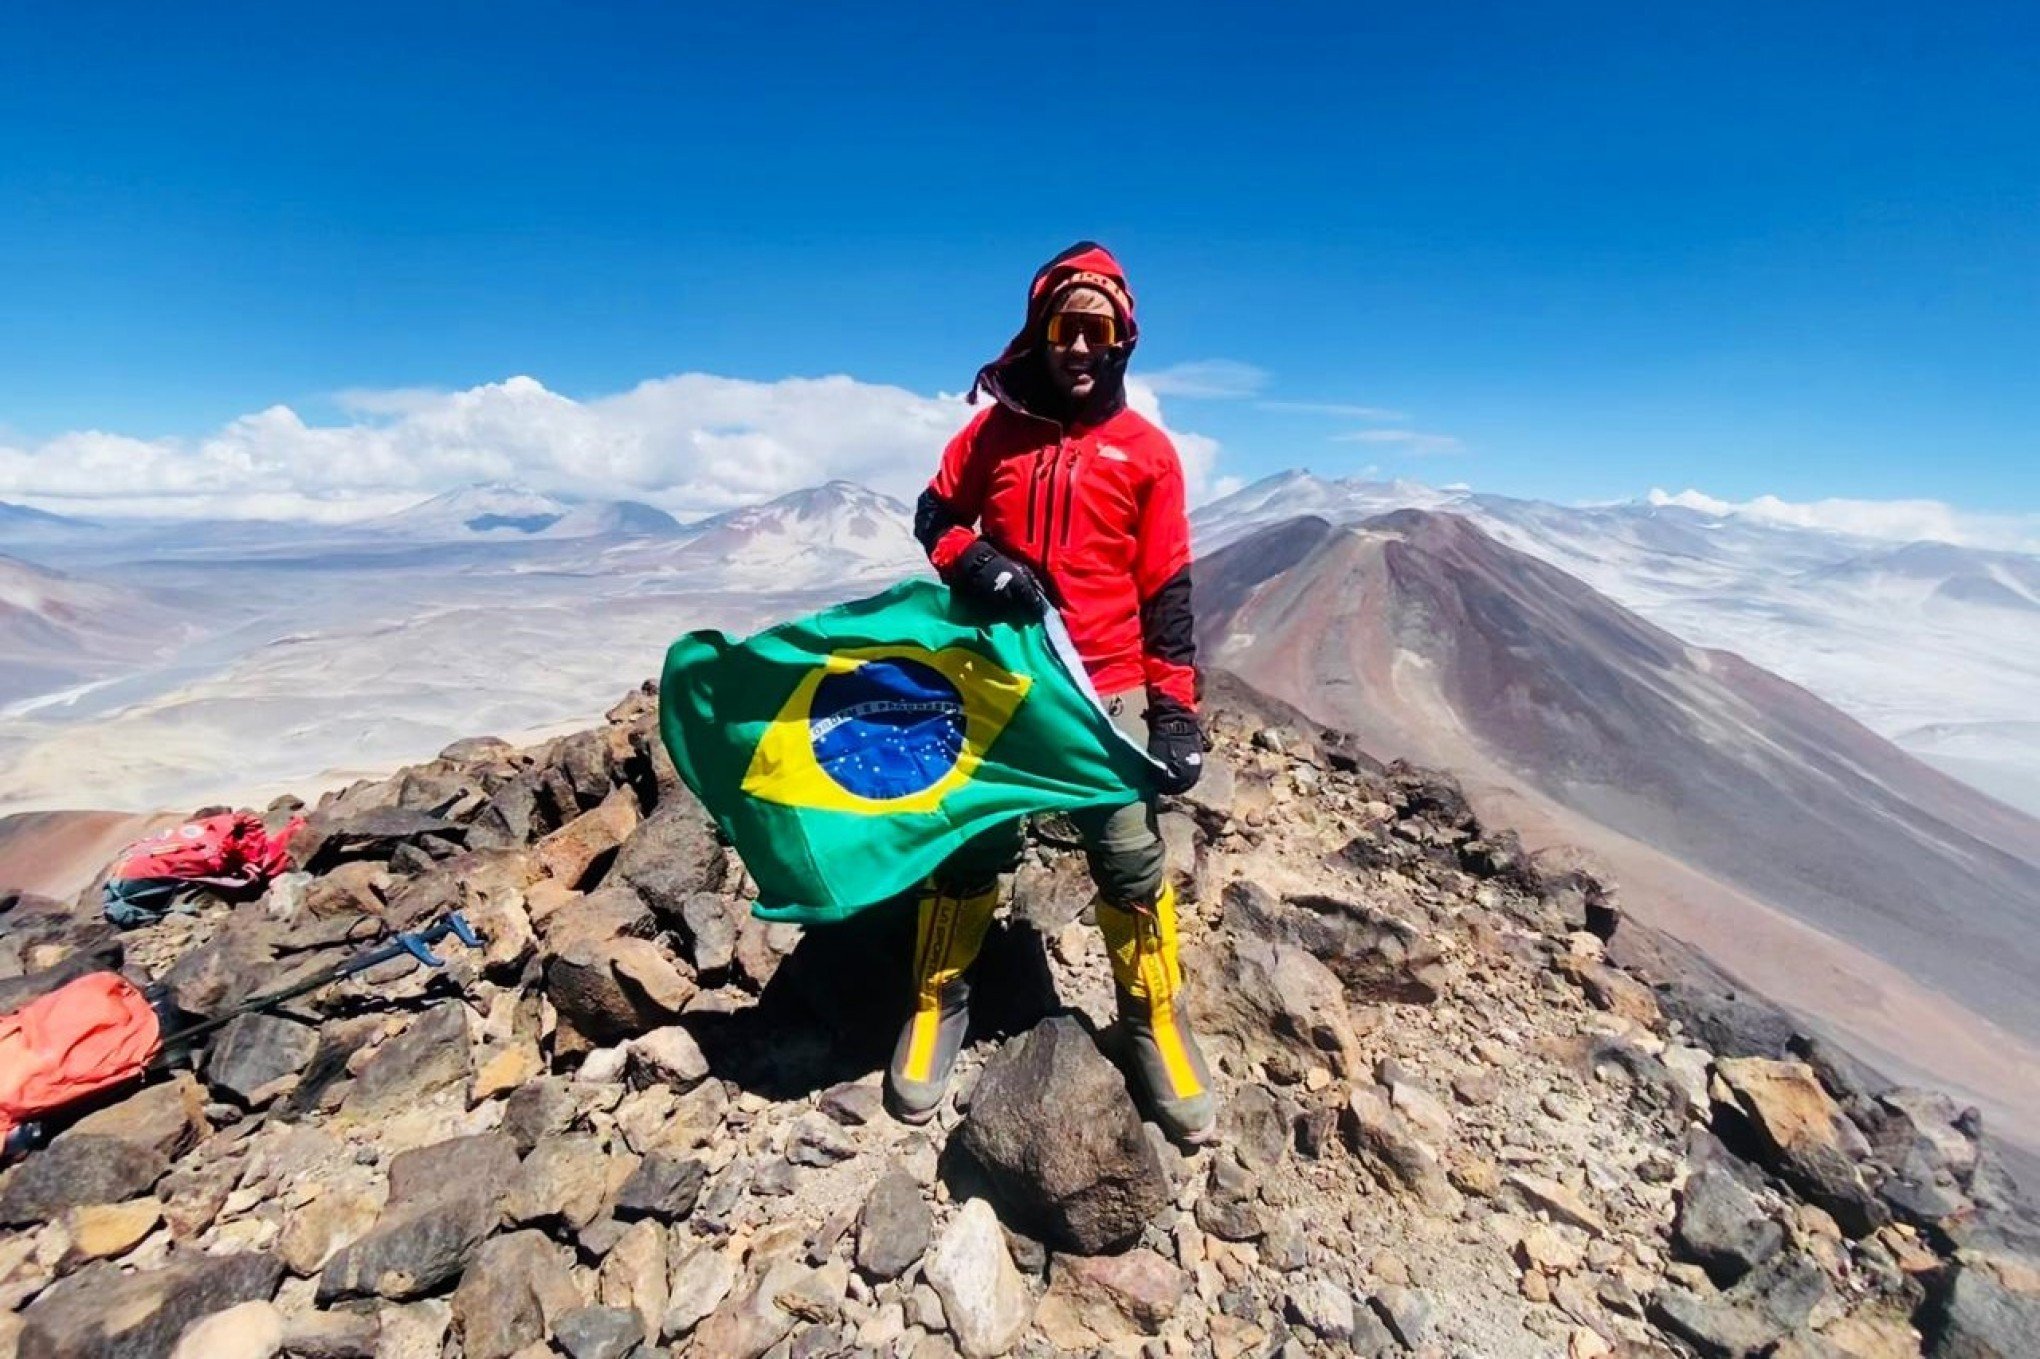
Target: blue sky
{"points": [[1585, 250]]}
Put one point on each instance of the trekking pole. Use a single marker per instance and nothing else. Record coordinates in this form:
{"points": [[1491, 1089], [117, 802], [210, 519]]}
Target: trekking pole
{"points": [[27, 1136], [417, 943]]}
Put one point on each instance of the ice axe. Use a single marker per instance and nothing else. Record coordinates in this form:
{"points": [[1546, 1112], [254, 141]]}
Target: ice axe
{"points": [[417, 943]]}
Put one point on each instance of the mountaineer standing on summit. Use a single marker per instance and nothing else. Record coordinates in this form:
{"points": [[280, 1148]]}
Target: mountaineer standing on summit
{"points": [[1058, 492]]}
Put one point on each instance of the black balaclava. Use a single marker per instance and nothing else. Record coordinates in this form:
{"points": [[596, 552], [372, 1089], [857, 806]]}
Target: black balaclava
{"points": [[1019, 377]]}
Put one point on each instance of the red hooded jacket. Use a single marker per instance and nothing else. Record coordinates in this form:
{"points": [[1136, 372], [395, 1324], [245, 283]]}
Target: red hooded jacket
{"points": [[1092, 502]]}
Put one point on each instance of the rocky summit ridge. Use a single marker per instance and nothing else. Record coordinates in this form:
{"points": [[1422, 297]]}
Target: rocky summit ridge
{"points": [[1470, 1110]]}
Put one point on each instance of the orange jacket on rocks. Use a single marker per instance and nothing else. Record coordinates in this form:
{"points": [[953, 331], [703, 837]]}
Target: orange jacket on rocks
{"points": [[1091, 500]]}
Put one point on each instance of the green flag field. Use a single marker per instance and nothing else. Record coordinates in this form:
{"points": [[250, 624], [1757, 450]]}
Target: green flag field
{"points": [[848, 753]]}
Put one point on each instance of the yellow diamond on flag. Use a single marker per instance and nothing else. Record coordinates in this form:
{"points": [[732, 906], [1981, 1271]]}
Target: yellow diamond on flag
{"points": [[883, 730]]}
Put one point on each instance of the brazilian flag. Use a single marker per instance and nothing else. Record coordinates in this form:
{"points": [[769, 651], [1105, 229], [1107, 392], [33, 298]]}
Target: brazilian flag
{"points": [[848, 753]]}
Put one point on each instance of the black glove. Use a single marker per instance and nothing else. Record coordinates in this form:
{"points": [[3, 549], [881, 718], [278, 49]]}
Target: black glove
{"points": [[1176, 743], [995, 580]]}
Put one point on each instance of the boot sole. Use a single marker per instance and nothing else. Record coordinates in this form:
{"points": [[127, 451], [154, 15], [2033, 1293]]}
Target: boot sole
{"points": [[912, 1120], [913, 1117]]}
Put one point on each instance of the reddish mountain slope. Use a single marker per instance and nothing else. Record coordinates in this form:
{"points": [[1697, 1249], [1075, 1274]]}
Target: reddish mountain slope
{"points": [[56, 629], [1435, 642]]}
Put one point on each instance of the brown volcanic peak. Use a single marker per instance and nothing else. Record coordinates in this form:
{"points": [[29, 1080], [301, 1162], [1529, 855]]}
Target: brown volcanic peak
{"points": [[1433, 641]]}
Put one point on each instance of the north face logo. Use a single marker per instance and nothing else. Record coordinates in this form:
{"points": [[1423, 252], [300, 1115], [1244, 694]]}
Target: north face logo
{"points": [[1112, 454]]}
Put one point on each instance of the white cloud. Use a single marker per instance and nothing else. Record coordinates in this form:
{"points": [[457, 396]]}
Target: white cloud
{"points": [[1212, 379], [1890, 520], [387, 400], [692, 443], [292, 506], [1340, 409], [1408, 440]]}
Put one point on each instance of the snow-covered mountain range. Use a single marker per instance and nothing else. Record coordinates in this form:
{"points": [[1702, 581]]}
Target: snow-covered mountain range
{"points": [[838, 532], [1932, 645], [286, 655], [499, 511], [19, 523]]}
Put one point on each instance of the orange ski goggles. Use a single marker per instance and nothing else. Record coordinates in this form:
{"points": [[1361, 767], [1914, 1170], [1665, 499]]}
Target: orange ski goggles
{"points": [[1097, 329]]}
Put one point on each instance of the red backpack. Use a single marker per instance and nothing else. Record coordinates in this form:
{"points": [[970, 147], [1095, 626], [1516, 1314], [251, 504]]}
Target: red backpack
{"points": [[86, 1036]]}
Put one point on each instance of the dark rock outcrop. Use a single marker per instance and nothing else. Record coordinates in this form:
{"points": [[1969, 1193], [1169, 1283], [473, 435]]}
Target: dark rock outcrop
{"points": [[1054, 1128]]}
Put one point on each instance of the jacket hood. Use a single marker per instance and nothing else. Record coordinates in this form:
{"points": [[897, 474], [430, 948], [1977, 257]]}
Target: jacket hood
{"points": [[1015, 378]]}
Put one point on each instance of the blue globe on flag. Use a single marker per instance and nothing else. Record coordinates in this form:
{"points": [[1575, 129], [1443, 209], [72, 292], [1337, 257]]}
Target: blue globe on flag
{"points": [[888, 729]]}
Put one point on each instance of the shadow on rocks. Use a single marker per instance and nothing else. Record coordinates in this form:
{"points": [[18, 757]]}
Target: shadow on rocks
{"points": [[831, 1011]]}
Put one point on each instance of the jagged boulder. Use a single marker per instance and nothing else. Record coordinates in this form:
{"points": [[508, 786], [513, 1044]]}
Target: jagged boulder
{"points": [[1374, 955], [430, 1056], [255, 1054], [583, 758], [512, 816], [564, 1179], [331, 838], [1116, 1297], [673, 854], [100, 1313], [75, 1171], [1807, 1138], [663, 1187], [1757, 1313], [1257, 989], [512, 1293], [1716, 1011], [748, 1323], [700, 1283], [247, 1330], [1721, 1227], [223, 971], [442, 1206], [599, 916], [1923, 1130], [474, 881], [1392, 1145], [714, 924], [166, 1117], [314, 1334], [1053, 1126], [350, 891], [536, 1110], [601, 1333], [579, 852], [617, 988], [1977, 1315], [893, 1226], [983, 1296], [1051, 892]]}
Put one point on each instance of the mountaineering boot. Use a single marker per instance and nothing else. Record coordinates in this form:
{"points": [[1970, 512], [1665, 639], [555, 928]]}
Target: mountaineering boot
{"points": [[1149, 977], [948, 933]]}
